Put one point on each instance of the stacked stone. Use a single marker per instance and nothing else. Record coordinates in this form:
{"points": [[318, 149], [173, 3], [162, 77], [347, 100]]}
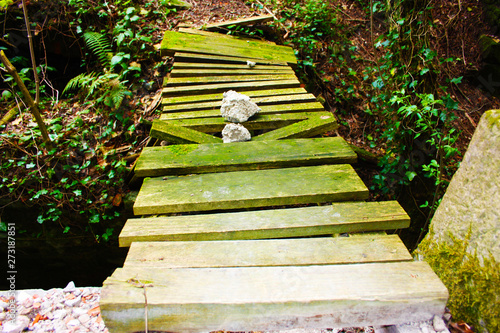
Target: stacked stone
{"points": [[237, 108], [57, 310]]}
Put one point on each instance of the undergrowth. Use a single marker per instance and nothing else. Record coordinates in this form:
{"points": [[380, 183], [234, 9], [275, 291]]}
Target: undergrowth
{"points": [[396, 74], [95, 129]]}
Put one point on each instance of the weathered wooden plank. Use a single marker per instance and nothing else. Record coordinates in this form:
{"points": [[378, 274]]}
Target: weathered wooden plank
{"points": [[183, 42], [212, 66], [249, 189], [337, 218], [223, 87], [223, 157], [265, 109], [259, 122], [244, 299], [244, 21], [197, 80], [210, 58], [275, 252], [178, 134], [219, 35], [228, 72], [280, 99], [304, 129], [178, 3], [218, 96]]}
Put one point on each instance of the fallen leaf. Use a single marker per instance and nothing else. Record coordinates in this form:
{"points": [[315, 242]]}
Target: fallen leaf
{"points": [[117, 200]]}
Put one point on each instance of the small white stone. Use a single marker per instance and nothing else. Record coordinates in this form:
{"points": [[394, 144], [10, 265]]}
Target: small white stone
{"points": [[84, 318], [3, 305], [21, 323], [59, 314], [73, 302], [22, 296], [438, 324], [70, 287], [73, 323], [251, 64], [77, 292], [235, 133], [79, 311]]}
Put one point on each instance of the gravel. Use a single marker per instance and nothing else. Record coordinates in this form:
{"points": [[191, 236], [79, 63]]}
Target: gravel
{"points": [[68, 310]]}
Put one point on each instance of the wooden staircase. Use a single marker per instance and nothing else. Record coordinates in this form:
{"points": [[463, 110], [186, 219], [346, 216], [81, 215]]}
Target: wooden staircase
{"points": [[251, 235]]}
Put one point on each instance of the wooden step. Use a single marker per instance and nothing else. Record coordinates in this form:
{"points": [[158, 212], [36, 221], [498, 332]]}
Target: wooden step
{"points": [[196, 80], [284, 94], [245, 21], [265, 109], [222, 59], [179, 134], [258, 122], [184, 42], [269, 252], [179, 65], [246, 299], [223, 157], [223, 87], [313, 126], [267, 100], [197, 72], [249, 189], [345, 217]]}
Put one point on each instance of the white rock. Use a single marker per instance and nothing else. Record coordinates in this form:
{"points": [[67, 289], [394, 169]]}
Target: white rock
{"points": [[79, 311], [3, 305], [77, 292], [3, 315], [70, 287], [84, 318], [438, 324], [251, 64], [22, 296], [21, 323], [235, 133], [60, 314], [73, 302], [237, 108], [73, 323]]}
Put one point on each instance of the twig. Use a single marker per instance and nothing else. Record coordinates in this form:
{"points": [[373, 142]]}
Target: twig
{"points": [[274, 16], [32, 52], [28, 99]]}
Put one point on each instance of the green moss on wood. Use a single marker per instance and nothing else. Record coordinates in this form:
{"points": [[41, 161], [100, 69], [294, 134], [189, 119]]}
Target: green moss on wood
{"points": [[473, 282]]}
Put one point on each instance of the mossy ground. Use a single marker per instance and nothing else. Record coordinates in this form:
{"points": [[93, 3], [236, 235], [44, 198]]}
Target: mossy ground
{"points": [[472, 281]]}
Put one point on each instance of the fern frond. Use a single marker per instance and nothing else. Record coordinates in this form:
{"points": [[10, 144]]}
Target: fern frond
{"points": [[100, 46], [79, 82]]}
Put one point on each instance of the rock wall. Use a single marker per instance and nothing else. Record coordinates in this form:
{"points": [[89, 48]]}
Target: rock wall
{"points": [[463, 246], [472, 200]]}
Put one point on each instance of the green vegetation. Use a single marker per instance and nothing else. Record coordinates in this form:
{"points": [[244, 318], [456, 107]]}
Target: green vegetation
{"points": [[473, 283], [77, 184], [391, 76]]}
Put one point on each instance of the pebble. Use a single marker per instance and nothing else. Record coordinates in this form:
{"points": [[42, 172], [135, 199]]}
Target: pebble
{"points": [[68, 310]]}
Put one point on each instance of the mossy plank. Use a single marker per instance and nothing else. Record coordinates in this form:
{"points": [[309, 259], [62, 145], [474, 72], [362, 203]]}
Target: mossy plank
{"points": [[222, 157], [242, 299], [244, 21], [275, 252], [250, 189], [258, 122], [178, 4], [267, 100], [337, 218], [228, 72], [223, 87], [196, 80], [182, 42], [270, 93], [214, 66], [218, 59], [219, 35], [178, 134], [315, 125], [265, 109]]}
